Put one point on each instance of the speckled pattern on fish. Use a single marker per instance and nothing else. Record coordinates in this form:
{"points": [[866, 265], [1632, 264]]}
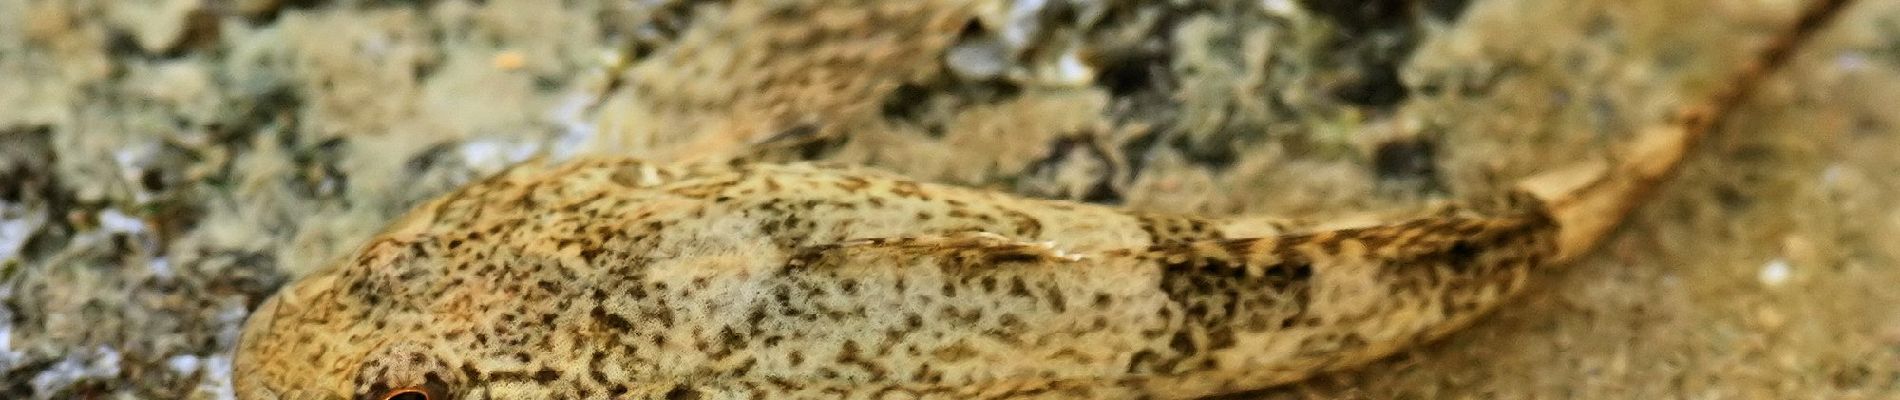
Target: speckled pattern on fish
{"points": [[615, 278], [612, 278]]}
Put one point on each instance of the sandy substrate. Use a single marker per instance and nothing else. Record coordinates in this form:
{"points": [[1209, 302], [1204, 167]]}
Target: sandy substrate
{"points": [[165, 165]]}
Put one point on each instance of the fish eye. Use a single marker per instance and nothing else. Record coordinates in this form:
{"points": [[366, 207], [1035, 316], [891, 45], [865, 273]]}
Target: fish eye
{"points": [[405, 371], [411, 393]]}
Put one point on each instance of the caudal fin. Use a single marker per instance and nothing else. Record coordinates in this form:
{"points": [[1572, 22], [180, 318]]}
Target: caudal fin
{"points": [[1587, 201]]}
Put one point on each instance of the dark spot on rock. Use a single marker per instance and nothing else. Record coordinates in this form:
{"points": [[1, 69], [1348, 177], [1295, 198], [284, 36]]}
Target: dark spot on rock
{"points": [[1374, 84], [1409, 161], [1360, 16], [907, 102], [1445, 10], [1374, 39], [1136, 70]]}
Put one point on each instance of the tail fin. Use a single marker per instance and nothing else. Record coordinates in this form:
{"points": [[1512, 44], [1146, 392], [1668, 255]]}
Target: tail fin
{"points": [[1587, 201]]}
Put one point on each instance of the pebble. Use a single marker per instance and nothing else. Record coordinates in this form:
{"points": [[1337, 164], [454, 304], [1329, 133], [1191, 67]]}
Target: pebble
{"points": [[977, 59], [1023, 23], [1069, 70], [15, 229], [1775, 273], [510, 60]]}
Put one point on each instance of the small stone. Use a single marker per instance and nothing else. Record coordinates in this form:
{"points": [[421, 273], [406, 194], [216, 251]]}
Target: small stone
{"points": [[1067, 70], [114, 221], [977, 59], [184, 364], [1279, 7], [1023, 23], [510, 60], [1852, 61], [1775, 273], [16, 225]]}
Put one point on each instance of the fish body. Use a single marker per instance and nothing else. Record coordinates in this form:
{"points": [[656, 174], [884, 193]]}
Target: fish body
{"points": [[614, 278], [618, 278]]}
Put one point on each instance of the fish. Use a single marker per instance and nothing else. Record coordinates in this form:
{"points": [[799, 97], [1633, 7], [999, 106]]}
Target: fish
{"points": [[613, 277]]}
